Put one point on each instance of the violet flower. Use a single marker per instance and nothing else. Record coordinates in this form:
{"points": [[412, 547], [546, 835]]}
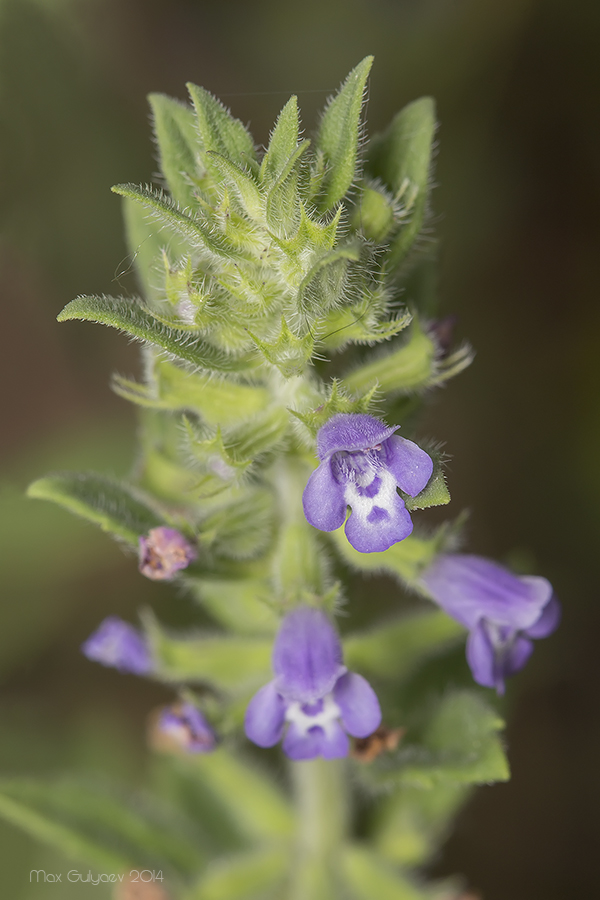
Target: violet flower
{"points": [[163, 553], [186, 726], [362, 464], [502, 611], [118, 644], [313, 703]]}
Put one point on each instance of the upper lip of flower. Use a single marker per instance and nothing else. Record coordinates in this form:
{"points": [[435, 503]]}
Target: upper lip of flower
{"points": [[339, 433]]}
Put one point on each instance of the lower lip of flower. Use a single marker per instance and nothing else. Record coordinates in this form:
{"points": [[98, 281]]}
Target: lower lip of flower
{"points": [[326, 712]]}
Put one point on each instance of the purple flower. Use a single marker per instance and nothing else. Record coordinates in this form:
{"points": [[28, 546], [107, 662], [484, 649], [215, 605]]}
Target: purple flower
{"points": [[163, 553], [184, 724], [502, 611], [117, 643], [313, 694], [362, 463]]}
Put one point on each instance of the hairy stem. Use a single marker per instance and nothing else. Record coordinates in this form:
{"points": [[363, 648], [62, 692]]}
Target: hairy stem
{"points": [[322, 813]]}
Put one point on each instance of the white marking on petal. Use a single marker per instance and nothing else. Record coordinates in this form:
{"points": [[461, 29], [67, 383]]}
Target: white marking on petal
{"points": [[385, 497], [305, 721]]}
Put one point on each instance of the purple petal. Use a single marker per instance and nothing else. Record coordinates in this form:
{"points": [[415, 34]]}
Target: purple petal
{"points": [[411, 467], [351, 431], [373, 529], [358, 703], [482, 657], [331, 743], [323, 499], [265, 716], [470, 588], [548, 621], [187, 726], [307, 655], [118, 644], [335, 743], [515, 656], [299, 745]]}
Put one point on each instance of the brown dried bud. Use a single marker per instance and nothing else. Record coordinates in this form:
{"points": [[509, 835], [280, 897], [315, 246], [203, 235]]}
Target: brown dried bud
{"points": [[365, 750]]}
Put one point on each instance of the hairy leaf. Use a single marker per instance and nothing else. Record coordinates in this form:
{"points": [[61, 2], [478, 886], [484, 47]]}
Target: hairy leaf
{"points": [[339, 135], [113, 506]]}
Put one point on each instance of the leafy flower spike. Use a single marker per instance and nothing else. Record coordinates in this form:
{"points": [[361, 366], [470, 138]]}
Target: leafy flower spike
{"points": [[312, 693], [362, 464], [163, 553], [502, 611], [118, 644]]}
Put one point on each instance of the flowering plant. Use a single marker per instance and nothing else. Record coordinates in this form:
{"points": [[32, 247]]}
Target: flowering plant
{"points": [[263, 272]]}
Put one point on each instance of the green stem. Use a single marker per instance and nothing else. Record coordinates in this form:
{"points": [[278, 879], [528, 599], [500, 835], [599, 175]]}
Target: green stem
{"points": [[322, 809]]}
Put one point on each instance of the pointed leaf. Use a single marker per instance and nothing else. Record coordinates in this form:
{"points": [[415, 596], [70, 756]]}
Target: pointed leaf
{"points": [[284, 207], [178, 144], [458, 744], [337, 401], [284, 140], [401, 158], [227, 662], [339, 134], [247, 876], [115, 507], [255, 802], [93, 824], [242, 183], [217, 400], [146, 245], [289, 353], [168, 212], [368, 876], [134, 319], [405, 560], [323, 285], [357, 324], [218, 130]]}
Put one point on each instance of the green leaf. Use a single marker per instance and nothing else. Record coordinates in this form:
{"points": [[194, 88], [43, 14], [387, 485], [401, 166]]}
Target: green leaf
{"points": [[284, 207], [219, 131], [217, 400], [242, 605], [227, 662], [134, 319], [93, 824], [258, 807], [178, 145], [115, 507], [410, 367], [359, 324], [411, 823], [401, 158], [283, 143], [248, 876], [338, 136], [289, 353], [243, 185], [405, 560], [368, 876], [241, 528], [436, 492], [146, 245], [394, 648], [323, 285], [338, 401], [459, 744], [169, 213]]}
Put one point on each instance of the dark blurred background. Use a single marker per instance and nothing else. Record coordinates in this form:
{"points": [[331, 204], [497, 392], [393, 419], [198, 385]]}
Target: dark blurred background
{"points": [[517, 84]]}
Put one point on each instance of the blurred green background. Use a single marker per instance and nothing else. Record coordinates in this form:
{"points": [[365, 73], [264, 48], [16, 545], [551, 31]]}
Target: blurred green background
{"points": [[518, 85]]}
